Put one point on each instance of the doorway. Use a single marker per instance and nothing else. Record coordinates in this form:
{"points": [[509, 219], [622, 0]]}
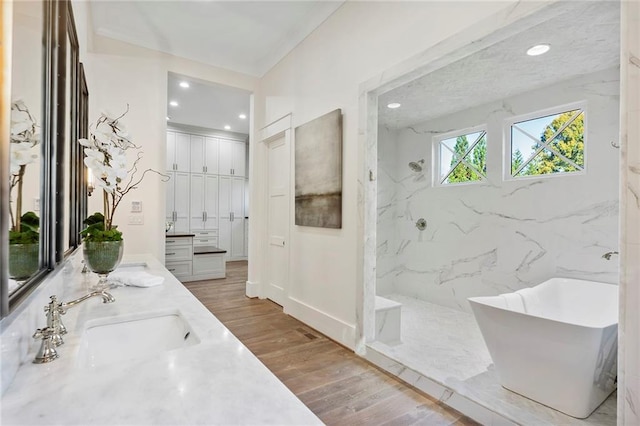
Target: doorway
{"points": [[278, 189]]}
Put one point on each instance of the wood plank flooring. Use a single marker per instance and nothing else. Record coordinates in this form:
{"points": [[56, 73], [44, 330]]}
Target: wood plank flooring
{"points": [[337, 385]]}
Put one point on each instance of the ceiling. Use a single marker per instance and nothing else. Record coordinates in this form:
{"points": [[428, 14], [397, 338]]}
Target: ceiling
{"points": [[249, 37], [244, 36], [206, 104], [583, 39]]}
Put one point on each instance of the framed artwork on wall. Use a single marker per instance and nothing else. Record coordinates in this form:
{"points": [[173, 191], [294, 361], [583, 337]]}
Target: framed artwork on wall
{"points": [[318, 172]]}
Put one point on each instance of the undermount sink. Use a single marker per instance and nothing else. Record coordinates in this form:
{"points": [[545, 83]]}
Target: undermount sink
{"points": [[144, 336], [132, 267]]}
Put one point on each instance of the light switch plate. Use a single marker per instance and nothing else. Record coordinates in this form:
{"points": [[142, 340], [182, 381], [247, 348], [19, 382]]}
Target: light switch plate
{"points": [[136, 206], [36, 204], [137, 219]]}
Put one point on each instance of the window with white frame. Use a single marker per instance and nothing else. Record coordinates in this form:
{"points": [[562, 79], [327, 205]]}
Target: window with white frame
{"points": [[462, 156], [548, 144]]}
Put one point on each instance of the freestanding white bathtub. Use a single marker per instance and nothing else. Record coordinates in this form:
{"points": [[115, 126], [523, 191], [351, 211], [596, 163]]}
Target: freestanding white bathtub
{"points": [[555, 343]]}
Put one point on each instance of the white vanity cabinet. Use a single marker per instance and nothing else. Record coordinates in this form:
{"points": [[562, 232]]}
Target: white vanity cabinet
{"points": [[178, 255], [203, 202], [178, 152], [177, 201], [204, 155], [232, 158]]}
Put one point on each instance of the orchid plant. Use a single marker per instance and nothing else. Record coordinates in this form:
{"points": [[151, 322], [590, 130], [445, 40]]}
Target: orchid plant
{"points": [[24, 139], [106, 156]]}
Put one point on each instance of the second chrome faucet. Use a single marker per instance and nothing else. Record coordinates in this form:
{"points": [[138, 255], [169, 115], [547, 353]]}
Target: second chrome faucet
{"points": [[52, 334]]}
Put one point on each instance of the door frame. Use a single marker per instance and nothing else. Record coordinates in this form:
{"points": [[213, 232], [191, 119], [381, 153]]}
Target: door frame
{"points": [[275, 130]]}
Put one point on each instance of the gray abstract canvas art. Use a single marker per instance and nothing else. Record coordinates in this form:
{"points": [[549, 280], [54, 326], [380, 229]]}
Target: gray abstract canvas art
{"points": [[318, 172]]}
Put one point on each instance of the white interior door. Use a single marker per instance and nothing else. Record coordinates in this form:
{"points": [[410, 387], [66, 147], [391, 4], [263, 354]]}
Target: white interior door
{"points": [[278, 219]]}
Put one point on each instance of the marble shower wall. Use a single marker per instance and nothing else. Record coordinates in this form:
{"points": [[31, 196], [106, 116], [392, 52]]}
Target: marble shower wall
{"points": [[499, 236]]}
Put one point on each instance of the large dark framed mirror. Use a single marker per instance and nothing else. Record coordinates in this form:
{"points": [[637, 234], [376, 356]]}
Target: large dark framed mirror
{"points": [[33, 44], [83, 132], [45, 194], [69, 140]]}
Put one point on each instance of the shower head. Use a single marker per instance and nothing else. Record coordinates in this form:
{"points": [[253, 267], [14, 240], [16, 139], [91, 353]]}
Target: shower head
{"points": [[416, 166]]}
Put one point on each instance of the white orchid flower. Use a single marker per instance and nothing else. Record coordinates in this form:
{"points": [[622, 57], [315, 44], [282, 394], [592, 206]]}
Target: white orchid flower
{"points": [[21, 155]]}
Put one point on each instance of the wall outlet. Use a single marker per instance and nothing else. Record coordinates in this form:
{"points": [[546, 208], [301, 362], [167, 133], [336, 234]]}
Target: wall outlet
{"points": [[137, 219], [36, 204], [136, 206]]}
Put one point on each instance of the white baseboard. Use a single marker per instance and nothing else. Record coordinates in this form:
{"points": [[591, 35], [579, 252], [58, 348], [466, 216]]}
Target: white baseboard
{"points": [[252, 289], [333, 328]]}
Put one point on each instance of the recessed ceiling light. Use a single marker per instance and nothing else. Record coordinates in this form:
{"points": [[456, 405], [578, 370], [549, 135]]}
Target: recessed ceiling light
{"points": [[173, 103], [227, 127], [538, 49], [184, 84], [242, 116], [393, 105]]}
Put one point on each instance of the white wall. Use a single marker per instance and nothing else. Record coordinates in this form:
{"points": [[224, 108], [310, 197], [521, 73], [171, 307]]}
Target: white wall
{"points": [[26, 84], [119, 73], [501, 235], [324, 72]]}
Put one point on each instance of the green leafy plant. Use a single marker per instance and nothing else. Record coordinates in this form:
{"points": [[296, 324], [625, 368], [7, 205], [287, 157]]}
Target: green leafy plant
{"points": [[29, 230], [95, 231]]}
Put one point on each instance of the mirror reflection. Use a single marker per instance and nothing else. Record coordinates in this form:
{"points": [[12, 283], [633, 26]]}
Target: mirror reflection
{"points": [[26, 115]]}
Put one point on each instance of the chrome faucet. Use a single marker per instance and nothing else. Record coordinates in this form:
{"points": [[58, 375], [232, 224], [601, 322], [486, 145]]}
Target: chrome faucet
{"points": [[52, 334], [608, 254]]}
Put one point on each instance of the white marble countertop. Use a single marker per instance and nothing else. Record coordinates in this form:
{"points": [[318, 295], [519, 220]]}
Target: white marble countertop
{"points": [[217, 381]]}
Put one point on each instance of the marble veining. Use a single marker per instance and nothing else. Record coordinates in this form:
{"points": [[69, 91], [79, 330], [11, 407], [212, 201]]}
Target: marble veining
{"points": [[212, 382], [505, 234]]}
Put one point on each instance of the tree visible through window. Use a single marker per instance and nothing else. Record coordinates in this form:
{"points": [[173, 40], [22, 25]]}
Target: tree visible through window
{"points": [[550, 144], [463, 158]]}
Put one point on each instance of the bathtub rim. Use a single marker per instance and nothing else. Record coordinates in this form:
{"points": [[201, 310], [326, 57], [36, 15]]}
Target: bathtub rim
{"points": [[477, 301]]}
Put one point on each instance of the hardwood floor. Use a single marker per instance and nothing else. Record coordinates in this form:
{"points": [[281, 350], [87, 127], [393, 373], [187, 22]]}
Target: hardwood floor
{"points": [[337, 385]]}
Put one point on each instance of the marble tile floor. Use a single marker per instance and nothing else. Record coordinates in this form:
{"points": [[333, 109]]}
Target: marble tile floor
{"points": [[446, 346]]}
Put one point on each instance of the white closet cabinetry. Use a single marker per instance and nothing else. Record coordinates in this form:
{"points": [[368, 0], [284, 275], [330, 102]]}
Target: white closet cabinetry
{"points": [[233, 158], [203, 204], [232, 229], [178, 152], [206, 191], [177, 208], [204, 155]]}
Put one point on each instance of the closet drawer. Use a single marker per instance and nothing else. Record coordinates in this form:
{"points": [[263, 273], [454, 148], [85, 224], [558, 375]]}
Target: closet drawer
{"points": [[176, 253], [206, 234], [210, 241], [178, 241], [180, 269]]}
